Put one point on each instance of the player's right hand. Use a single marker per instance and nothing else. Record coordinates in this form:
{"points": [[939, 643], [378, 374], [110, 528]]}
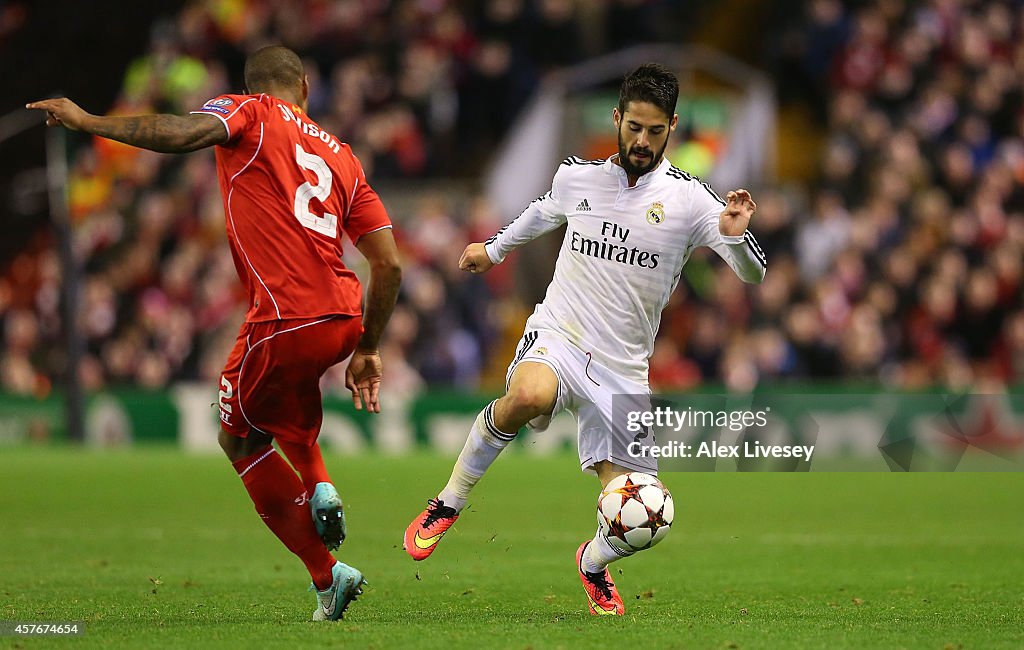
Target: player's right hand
{"points": [[362, 377], [61, 112], [475, 259]]}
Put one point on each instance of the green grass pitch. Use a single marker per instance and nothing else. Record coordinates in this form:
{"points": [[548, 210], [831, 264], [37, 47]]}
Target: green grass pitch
{"points": [[153, 548]]}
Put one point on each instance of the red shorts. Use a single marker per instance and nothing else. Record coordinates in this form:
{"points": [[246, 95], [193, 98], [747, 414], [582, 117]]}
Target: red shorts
{"points": [[271, 381]]}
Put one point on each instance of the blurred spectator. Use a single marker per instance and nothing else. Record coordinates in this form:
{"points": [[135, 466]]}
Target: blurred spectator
{"points": [[902, 261]]}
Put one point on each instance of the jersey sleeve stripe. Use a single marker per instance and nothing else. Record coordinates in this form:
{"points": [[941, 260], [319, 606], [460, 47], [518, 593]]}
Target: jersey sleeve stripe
{"points": [[239, 107], [755, 248], [679, 174], [223, 118], [226, 127], [370, 232], [495, 236], [576, 160], [505, 227], [711, 191]]}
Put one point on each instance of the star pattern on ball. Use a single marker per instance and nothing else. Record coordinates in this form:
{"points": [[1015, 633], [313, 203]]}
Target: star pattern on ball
{"points": [[634, 513], [656, 520], [617, 528], [628, 491]]}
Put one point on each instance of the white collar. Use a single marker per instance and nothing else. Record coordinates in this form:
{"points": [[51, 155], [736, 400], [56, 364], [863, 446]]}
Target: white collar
{"points": [[613, 168]]}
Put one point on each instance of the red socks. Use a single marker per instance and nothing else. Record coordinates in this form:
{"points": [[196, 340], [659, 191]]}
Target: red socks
{"points": [[308, 462], [280, 501]]}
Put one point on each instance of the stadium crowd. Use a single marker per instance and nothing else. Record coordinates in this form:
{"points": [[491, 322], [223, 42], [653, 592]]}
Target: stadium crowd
{"points": [[901, 263]]}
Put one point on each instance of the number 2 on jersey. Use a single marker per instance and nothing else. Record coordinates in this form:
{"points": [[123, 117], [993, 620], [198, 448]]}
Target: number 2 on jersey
{"points": [[327, 224]]}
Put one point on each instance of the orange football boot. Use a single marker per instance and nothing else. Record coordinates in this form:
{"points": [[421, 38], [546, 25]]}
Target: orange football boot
{"points": [[426, 530], [601, 592]]}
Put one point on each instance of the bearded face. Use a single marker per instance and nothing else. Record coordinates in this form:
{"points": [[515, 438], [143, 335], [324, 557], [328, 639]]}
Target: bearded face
{"points": [[643, 131]]}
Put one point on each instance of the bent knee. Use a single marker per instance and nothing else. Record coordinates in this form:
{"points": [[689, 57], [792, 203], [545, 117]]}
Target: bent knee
{"points": [[231, 445], [236, 448], [529, 400]]}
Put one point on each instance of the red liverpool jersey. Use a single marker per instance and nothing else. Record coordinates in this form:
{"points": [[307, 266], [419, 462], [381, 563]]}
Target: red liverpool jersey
{"points": [[290, 190]]}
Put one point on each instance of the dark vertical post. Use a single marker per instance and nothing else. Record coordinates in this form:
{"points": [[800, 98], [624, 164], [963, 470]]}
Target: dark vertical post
{"points": [[57, 181]]}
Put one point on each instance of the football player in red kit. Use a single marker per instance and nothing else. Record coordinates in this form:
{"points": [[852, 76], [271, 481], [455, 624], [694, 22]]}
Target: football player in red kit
{"points": [[290, 190]]}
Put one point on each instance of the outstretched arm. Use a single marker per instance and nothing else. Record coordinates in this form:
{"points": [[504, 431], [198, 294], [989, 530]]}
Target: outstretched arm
{"points": [[542, 216], [162, 133]]}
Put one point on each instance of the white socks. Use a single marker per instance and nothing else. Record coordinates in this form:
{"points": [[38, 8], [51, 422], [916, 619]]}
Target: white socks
{"points": [[599, 554], [482, 447]]}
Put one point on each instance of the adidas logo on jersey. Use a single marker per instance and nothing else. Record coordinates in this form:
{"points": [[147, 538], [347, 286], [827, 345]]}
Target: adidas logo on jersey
{"points": [[583, 206]]}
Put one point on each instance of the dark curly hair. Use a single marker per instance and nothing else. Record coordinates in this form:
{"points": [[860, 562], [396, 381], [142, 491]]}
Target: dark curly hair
{"points": [[653, 83]]}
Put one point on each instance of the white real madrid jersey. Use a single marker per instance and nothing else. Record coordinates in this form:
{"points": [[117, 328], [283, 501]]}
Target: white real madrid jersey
{"points": [[623, 254]]}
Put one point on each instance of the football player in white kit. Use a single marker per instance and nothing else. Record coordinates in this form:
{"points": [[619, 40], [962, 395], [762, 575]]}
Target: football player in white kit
{"points": [[633, 221]]}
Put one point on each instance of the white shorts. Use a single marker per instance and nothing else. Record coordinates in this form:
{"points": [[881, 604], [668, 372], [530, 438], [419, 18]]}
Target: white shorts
{"points": [[597, 397]]}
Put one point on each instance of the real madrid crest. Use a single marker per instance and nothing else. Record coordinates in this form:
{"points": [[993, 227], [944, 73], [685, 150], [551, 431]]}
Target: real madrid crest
{"points": [[656, 213]]}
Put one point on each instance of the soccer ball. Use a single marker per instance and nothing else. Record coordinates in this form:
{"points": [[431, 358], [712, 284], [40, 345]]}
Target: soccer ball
{"points": [[635, 512]]}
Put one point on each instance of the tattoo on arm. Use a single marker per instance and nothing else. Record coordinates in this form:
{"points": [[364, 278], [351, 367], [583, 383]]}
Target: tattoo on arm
{"points": [[162, 133]]}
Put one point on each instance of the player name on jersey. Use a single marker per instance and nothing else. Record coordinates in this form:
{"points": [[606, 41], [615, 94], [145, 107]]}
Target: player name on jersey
{"points": [[310, 129]]}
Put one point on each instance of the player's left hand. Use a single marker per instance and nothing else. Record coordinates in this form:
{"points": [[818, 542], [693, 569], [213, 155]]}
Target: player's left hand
{"points": [[62, 112], [362, 377], [735, 218]]}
